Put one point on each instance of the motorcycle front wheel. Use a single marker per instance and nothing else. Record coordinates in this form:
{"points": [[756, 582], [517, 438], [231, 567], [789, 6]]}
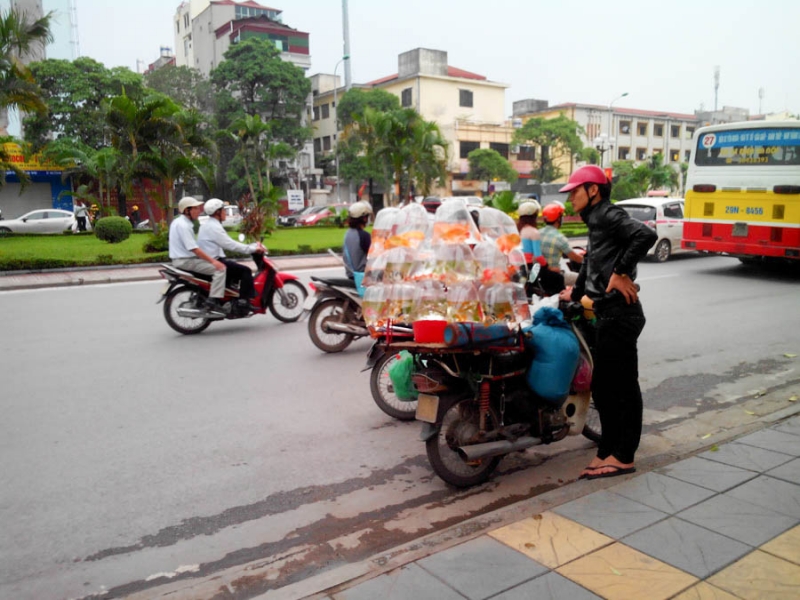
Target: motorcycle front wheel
{"points": [[289, 307], [184, 297], [383, 391], [460, 424], [330, 311]]}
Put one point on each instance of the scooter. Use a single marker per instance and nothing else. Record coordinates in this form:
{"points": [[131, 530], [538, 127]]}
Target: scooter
{"points": [[186, 292]]}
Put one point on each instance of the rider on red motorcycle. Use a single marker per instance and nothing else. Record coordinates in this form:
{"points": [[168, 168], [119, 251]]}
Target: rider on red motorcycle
{"points": [[185, 253], [214, 240]]}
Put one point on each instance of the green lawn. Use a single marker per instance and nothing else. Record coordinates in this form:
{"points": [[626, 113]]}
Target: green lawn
{"points": [[64, 251]]}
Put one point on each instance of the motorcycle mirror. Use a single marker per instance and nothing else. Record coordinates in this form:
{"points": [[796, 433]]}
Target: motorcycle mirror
{"points": [[241, 237], [534, 274]]}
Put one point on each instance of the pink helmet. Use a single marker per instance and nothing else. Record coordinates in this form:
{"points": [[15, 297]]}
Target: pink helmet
{"points": [[587, 174]]}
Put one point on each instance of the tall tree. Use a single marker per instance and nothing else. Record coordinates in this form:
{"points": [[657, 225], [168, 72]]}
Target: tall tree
{"points": [[74, 92], [633, 181], [555, 137], [486, 164], [186, 86]]}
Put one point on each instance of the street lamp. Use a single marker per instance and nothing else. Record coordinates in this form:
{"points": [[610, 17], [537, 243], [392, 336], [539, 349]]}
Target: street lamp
{"points": [[336, 127], [602, 143], [610, 130]]}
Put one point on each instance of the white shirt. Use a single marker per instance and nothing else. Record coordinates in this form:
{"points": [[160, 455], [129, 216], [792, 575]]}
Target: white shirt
{"points": [[181, 238], [214, 240]]}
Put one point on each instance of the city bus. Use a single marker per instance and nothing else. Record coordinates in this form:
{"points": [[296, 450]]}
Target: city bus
{"points": [[743, 191]]}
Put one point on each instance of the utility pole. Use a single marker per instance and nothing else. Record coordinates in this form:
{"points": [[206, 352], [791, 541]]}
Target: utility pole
{"points": [[348, 79], [716, 86]]}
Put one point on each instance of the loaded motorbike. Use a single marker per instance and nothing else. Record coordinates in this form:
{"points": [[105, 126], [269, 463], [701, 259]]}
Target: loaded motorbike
{"points": [[477, 403], [335, 318], [186, 292]]}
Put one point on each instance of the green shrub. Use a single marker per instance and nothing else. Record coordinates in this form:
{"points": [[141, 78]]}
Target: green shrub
{"points": [[113, 229], [158, 242]]}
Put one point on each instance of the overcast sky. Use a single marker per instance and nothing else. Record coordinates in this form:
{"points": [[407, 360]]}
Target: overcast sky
{"points": [[662, 53]]}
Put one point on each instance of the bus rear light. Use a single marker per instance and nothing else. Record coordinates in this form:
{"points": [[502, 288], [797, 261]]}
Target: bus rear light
{"points": [[704, 188], [786, 189], [689, 244]]}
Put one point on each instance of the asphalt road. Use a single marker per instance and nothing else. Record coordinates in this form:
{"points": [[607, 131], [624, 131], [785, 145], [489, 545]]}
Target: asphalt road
{"points": [[131, 456]]}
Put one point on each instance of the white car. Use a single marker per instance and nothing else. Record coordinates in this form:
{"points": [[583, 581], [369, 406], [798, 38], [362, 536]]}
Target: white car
{"points": [[232, 219], [472, 201], [46, 220], [665, 217]]}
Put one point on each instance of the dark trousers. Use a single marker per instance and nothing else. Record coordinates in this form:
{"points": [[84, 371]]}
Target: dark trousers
{"points": [[81, 223], [236, 272], [615, 380]]}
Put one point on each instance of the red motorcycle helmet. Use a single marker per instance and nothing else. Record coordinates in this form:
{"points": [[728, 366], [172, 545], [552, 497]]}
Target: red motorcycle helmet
{"points": [[587, 174], [553, 212]]}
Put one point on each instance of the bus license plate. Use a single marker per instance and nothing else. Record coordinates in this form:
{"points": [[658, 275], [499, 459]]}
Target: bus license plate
{"points": [[740, 229], [427, 408]]}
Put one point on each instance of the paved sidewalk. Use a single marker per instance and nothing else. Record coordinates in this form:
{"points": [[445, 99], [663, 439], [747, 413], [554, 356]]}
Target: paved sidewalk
{"points": [[724, 524], [119, 274]]}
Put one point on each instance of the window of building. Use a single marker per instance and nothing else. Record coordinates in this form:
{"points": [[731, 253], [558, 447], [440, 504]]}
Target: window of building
{"points": [[675, 131], [326, 143], [465, 98], [467, 147], [641, 129], [186, 21], [641, 154], [501, 149], [405, 98], [178, 25], [674, 155], [316, 113], [317, 145], [625, 127], [326, 111], [687, 155], [658, 130], [689, 132], [526, 153], [623, 153]]}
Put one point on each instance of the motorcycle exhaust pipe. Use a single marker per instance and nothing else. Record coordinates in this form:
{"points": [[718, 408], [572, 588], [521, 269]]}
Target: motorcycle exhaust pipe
{"points": [[195, 313], [347, 328], [489, 449]]}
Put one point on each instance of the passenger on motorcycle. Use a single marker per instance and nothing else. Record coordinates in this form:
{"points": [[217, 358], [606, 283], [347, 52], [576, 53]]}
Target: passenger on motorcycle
{"points": [[356, 240], [617, 243], [554, 246], [214, 240], [186, 254]]}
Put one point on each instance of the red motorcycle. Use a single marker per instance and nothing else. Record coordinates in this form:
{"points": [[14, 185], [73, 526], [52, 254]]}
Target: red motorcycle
{"points": [[186, 293]]}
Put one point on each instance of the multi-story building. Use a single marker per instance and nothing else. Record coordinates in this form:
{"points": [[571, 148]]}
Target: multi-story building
{"points": [[468, 108], [205, 29], [618, 133]]}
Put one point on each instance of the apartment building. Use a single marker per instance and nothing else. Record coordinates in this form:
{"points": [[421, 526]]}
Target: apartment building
{"points": [[468, 108], [205, 29]]}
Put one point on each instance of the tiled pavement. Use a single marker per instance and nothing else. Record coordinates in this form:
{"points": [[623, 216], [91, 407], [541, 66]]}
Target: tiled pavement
{"points": [[721, 525]]}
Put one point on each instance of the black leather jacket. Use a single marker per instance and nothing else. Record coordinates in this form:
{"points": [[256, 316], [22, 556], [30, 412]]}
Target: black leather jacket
{"points": [[617, 243]]}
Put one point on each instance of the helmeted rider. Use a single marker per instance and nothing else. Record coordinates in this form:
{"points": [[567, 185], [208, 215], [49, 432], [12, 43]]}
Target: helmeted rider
{"points": [[528, 229], [186, 254], [214, 240], [554, 246], [356, 240], [617, 243]]}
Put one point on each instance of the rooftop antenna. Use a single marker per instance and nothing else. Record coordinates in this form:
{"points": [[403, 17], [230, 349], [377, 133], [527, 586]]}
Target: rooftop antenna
{"points": [[716, 86], [760, 99], [74, 38]]}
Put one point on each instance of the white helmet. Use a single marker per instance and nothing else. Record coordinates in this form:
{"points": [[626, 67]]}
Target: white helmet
{"points": [[529, 207], [359, 209], [213, 206], [188, 202]]}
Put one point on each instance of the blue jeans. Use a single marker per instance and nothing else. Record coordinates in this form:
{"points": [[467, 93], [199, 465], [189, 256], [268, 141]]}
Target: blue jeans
{"points": [[615, 380]]}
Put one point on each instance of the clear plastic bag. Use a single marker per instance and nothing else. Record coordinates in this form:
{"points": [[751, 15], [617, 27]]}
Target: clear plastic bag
{"points": [[384, 227], [455, 263], [463, 304], [374, 306], [454, 225], [430, 301]]}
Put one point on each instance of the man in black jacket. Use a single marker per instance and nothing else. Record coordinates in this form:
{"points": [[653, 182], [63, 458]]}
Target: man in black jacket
{"points": [[617, 243]]}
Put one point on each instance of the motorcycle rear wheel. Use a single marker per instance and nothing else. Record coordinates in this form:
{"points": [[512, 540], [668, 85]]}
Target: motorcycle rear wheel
{"points": [[592, 429], [383, 391], [459, 423], [290, 309], [325, 340], [177, 298]]}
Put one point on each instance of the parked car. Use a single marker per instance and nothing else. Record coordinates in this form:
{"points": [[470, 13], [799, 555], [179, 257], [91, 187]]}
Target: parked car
{"points": [[431, 203], [48, 220], [665, 216], [290, 220], [232, 219], [472, 201], [319, 213]]}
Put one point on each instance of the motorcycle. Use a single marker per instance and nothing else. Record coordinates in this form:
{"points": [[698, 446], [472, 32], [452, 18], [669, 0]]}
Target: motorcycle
{"points": [[476, 405], [335, 317], [186, 293]]}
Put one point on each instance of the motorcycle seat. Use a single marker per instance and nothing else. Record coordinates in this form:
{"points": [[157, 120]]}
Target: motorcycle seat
{"points": [[178, 271], [336, 281]]}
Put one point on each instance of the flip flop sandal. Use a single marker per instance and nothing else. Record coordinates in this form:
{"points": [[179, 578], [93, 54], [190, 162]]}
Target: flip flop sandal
{"points": [[616, 472]]}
